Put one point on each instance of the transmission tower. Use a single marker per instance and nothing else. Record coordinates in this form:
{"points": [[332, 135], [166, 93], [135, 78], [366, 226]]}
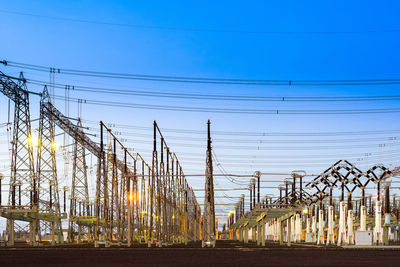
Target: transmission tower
{"points": [[209, 208], [47, 183], [153, 192], [79, 204], [22, 188]]}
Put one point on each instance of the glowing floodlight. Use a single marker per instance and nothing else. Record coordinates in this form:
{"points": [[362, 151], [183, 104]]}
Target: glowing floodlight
{"points": [[54, 145], [33, 141]]}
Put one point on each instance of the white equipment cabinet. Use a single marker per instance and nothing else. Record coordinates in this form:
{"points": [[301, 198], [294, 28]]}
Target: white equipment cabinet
{"points": [[364, 238]]}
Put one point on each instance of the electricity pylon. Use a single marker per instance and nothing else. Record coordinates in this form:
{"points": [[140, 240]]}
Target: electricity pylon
{"points": [[209, 208], [22, 186], [46, 176], [79, 204]]}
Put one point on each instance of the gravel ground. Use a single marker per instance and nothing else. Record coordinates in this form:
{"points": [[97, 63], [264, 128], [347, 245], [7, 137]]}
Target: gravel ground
{"points": [[225, 254]]}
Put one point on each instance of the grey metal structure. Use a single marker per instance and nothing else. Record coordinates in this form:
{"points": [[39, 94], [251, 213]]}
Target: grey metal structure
{"points": [[79, 199], [23, 192], [46, 171], [209, 231]]}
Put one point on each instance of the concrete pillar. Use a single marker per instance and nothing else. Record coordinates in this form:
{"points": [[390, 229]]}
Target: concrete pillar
{"points": [[10, 241], [33, 232], [298, 228], [331, 233], [378, 224], [385, 235], [363, 218], [342, 223], [314, 227], [277, 226], [262, 233], [350, 229], [129, 221], [79, 234], [292, 228], [289, 231], [195, 232], [186, 229], [53, 236], [386, 229], [246, 235], [321, 234], [280, 227]]}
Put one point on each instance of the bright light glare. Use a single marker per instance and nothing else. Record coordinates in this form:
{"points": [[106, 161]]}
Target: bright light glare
{"points": [[33, 141], [54, 145]]}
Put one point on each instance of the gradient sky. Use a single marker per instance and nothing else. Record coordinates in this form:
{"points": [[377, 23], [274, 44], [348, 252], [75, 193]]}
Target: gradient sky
{"points": [[291, 40]]}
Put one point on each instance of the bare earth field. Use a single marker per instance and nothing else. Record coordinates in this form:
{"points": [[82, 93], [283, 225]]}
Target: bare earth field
{"points": [[225, 254]]}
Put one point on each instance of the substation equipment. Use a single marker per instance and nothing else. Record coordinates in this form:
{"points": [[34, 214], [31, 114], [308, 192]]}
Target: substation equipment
{"points": [[311, 213], [134, 202]]}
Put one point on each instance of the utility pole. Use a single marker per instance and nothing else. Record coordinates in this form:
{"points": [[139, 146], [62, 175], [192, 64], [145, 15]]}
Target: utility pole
{"points": [[258, 175], [209, 208], [153, 179]]}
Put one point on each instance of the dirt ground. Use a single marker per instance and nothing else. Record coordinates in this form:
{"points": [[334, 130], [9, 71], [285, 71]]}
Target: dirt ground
{"points": [[225, 254]]}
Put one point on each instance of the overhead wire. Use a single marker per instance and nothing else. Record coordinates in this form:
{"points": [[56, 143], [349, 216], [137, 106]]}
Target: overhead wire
{"points": [[181, 95], [260, 141], [206, 80], [233, 111], [253, 133], [192, 29]]}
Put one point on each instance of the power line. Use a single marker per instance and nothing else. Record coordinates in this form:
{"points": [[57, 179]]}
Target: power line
{"points": [[187, 29], [264, 160], [303, 156], [245, 98], [188, 79], [222, 169], [262, 141], [243, 133], [266, 147], [233, 111]]}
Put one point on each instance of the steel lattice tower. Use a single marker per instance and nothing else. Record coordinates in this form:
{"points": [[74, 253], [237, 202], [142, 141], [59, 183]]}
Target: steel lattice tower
{"points": [[47, 183], [79, 204], [209, 208], [22, 189]]}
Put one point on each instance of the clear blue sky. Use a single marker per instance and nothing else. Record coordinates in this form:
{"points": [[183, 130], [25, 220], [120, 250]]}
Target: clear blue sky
{"points": [[315, 40]]}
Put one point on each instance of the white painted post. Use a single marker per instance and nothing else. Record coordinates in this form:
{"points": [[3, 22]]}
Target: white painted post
{"points": [[289, 230], [314, 227], [262, 233], [378, 223], [331, 234], [342, 223], [363, 218], [246, 234], [320, 238], [292, 228], [350, 230], [308, 225], [279, 229], [298, 228]]}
